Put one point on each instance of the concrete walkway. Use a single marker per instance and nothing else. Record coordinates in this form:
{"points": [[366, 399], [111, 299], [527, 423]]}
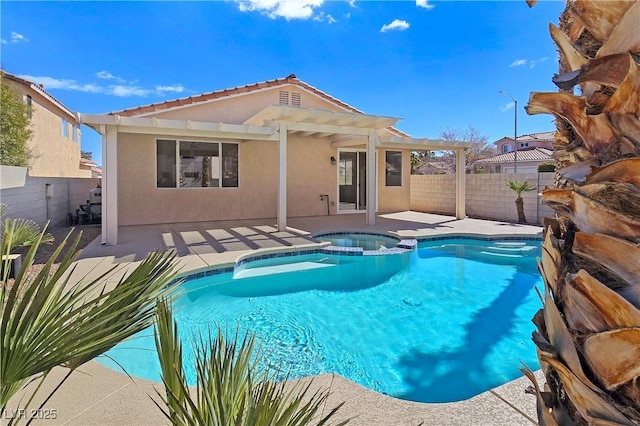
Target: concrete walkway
{"points": [[96, 395]]}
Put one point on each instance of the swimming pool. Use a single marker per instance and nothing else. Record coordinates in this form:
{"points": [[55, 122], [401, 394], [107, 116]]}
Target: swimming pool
{"points": [[441, 323]]}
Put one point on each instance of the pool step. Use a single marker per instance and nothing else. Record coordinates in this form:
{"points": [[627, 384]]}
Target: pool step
{"points": [[278, 269]]}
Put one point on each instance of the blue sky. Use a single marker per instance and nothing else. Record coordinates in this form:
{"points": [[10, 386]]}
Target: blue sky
{"points": [[435, 64]]}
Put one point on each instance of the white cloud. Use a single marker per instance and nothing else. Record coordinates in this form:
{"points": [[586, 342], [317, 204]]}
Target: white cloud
{"points": [[287, 9], [507, 107], [352, 3], [518, 63], [123, 91], [64, 84], [397, 24], [425, 4], [176, 88], [543, 59], [106, 75], [325, 17], [4, 41], [119, 90], [17, 37]]}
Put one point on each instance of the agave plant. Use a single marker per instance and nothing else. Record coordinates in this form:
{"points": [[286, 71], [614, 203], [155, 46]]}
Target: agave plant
{"points": [[231, 387], [519, 188], [588, 336], [48, 321], [17, 233]]}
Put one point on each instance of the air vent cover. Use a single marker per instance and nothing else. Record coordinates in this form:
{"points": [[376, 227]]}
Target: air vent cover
{"points": [[284, 98], [295, 99]]}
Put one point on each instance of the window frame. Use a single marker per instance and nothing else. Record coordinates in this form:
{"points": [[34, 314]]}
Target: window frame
{"points": [[64, 127], [29, 104], [386, 170], [177, 142]]}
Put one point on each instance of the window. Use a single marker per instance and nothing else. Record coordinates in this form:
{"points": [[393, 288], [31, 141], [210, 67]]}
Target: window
{"points": [[64, 130], [393, 168], [29, 102], [166, 163], [196, 164], [75, 130], [345, 171], [506, 148]]}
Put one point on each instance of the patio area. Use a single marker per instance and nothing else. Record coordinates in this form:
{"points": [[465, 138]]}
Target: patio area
{"points": [[105, 397]]}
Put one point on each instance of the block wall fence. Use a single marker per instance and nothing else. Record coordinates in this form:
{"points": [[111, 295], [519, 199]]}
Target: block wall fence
{"points": [[487, 195], [26, 196]]}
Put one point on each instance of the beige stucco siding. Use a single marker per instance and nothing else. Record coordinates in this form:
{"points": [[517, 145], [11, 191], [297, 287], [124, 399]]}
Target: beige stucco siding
{"points": [[56, 156], [310, 173], [236, 109], [140, 202], [394, 198]]}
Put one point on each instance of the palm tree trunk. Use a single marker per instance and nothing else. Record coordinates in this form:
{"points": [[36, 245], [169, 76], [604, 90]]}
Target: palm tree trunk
{"points": [[520, 209], [588, 336]]}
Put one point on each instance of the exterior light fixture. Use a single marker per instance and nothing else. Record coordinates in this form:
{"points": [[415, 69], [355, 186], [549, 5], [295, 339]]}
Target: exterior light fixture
{"points": [[333, 160]]}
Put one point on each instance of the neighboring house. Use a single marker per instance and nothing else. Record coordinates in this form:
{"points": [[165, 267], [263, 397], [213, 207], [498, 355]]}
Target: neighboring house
{"points": [[56, 131], [533, 140], [264, 150], [528, 159], [432, 168], [92, 167]]}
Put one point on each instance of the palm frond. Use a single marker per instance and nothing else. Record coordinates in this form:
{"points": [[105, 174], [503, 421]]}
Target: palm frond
{"points": [[50, 322], [232, 388]]}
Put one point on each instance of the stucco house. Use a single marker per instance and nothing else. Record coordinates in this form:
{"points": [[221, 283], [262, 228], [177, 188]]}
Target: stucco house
{"points": [[56, 131], [533, 149], [272, 149]]}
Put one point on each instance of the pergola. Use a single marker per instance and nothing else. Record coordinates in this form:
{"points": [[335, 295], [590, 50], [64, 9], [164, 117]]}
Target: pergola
{"points": [[275, 124]]}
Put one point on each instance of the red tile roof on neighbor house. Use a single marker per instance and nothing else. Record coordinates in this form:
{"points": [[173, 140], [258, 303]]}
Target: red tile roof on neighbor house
{"points": [[525, 154], [40, 89], [191, 100]]}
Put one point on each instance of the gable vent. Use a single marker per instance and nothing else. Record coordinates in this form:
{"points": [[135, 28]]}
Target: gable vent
{"points": [[284, 98], [295, 99]]}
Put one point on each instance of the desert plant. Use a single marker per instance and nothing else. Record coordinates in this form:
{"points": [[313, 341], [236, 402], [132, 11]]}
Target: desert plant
{"points": [[47, 321], [18, 233], [519, 188], [232, 389], [546, 167], [588, 334]]}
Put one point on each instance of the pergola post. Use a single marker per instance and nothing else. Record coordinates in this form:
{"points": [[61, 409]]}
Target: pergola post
{"points": [[461, 168], [110, 185], [282, 178], [371, 177]]}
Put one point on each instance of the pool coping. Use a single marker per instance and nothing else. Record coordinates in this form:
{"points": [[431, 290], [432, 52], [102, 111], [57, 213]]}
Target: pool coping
{"points": [[403, 245]]}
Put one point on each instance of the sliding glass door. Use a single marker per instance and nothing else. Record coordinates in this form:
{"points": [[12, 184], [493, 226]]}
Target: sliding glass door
{"points": [[352, 181]]}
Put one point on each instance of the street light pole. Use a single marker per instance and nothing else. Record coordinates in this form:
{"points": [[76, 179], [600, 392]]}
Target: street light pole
{"points": [[515, 131]]}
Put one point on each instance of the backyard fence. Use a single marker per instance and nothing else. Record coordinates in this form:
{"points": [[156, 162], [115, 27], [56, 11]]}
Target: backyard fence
{"points": [[487, 195], [42, 198]]}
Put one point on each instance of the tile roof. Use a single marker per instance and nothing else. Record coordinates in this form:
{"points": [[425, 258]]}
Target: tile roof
{"points": [[189, 100], [40, 89], [540, 136], [526, 154]]}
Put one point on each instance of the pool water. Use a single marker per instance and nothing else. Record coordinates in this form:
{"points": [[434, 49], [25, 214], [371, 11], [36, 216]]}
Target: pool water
{"points": [[427, 325], [366, 241]]}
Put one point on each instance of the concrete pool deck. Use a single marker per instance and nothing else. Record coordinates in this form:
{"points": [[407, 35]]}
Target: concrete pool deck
{"points": [[102, 396]]}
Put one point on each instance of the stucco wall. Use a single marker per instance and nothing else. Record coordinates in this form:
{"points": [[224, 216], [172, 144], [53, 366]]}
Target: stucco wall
{"points": [[56, 156], [394, 198], [487, 195], [237, 109], [25, 195], [310, 174]]}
